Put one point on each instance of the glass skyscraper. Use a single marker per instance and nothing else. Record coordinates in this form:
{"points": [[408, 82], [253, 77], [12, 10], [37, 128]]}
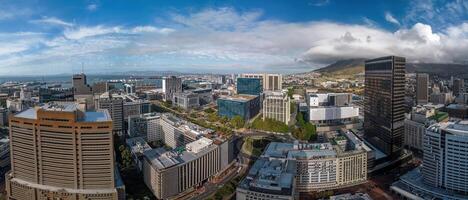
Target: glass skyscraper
{"points": [[250, 86], [384, 110]]}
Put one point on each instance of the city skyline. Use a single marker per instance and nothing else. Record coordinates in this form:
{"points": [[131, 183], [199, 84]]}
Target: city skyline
{"points": [[44, 38]]}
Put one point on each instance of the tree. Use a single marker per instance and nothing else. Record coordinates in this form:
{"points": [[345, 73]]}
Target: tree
{"points": [[237, 121], [213, 117]]}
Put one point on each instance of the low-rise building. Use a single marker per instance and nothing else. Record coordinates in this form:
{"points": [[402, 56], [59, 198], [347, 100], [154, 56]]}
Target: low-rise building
{"points": [[269, 179], [319, 166], [171, 173], [246, 106], [186, 100], [331, 111]]}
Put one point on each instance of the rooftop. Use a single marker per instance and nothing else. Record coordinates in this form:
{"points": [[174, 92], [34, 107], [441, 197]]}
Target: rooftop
{"points": [[454, 127], [163, 159], [97, 116], [271, 176], [241, 98]]}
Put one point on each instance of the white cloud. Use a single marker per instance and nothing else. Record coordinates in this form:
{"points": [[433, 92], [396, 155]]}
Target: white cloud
{"points": [[224, 39], [52, 21], [319, 2], [151, 29], [85, 31], [92, 7], [389, 17]]}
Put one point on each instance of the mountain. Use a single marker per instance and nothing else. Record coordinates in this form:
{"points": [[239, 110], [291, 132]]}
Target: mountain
{"points": [[356, 66], [344, 67]]}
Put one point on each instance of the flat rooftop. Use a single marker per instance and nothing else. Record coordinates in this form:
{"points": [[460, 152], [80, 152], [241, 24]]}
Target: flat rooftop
{"points": [[274, 176], [162, 158], [95, 116], [453, 127], [240, 98]]}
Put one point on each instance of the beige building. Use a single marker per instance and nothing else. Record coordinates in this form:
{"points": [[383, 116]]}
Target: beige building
{"points": [[271, 82], [169, 174], [276, 105], [61, 152]]}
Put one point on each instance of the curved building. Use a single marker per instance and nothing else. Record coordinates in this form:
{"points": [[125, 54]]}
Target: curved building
{"points": [[61, 152]]}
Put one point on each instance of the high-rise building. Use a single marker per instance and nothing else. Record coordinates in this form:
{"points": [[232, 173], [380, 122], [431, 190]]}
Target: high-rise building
{"points": [[80, 85], [269, 81], [3, 117], [61, 152], [422, 88], [384, 107], [249, 86], [446, 156], [246, 106], [171, 85], [276, 105], [115, 106], [458, 86]]}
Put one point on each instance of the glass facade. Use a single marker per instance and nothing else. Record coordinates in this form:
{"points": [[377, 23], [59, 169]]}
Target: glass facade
{"points": [[250, 86], [384, 103], [230, 107]]}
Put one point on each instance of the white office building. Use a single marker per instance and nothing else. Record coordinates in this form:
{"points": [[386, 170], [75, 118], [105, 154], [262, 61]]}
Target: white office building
{"points": [[276, 105]]}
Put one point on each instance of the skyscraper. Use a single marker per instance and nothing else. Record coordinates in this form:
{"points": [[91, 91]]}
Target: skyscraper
{"points": [[458, 87], [171, 85], [115, 106], [384, 111], [80, 85], [61, 152], [250, 86], [422, 87]]}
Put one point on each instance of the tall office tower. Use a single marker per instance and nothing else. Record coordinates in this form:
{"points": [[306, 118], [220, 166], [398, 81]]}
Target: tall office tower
{"points": [[422, 88], [171, 85], [384, 111], [250, 86], [269, 81], [458, 87], [80, 85], [61, 152], [445, 156], [115, 106], [276, 105]]}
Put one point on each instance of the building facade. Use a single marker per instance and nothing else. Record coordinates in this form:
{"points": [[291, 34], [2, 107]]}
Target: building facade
{"points": [[272, 82], [169, 174], [171, 85], [384, 107], [249, 86], [186, 100], [60, 152], [445, 156], [276, 105], [115, 107], [246, 106], [422, 88], [458, 86]]}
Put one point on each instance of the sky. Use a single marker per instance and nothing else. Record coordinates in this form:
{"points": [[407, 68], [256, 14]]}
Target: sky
{"points": [[45, 37]]}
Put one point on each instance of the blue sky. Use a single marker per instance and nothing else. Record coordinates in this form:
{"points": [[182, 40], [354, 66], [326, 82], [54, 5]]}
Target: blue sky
{"points": [[52, 37]]}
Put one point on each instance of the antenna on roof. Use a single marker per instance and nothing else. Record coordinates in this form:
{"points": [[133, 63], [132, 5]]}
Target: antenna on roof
{"points": [[82, 67]]}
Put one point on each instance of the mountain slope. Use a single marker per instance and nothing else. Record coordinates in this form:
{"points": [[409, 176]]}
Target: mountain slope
{"points": [[344, 67], [352, 67]]}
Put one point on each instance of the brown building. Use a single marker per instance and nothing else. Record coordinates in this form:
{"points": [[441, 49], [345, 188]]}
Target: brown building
{"points": [[61, 152], [422, 88], [384, 103]]}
